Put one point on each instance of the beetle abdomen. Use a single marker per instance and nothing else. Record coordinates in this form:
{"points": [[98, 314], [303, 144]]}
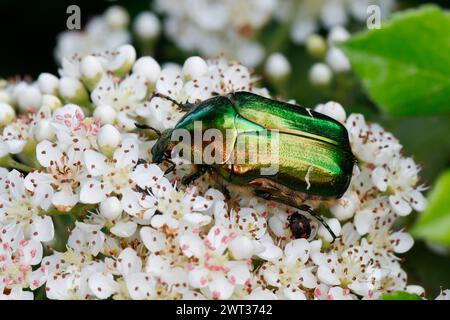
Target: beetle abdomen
{"points": [[300, 164]]}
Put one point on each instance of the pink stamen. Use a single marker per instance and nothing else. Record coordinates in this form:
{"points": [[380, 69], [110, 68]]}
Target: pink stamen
{"points": [[25, 268], [317, 292], [23, 243], [203, 281]]}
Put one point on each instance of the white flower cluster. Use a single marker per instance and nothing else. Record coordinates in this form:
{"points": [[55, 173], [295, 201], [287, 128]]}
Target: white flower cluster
{"points": [[73, 151], [105, 32], [232, 27], [215, 27], [308, 16]]}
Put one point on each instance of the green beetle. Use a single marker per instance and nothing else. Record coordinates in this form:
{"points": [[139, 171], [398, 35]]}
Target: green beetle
{"points": [[315, 160]]}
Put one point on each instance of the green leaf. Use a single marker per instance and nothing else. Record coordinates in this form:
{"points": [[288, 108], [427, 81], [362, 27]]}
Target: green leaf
{"points": [[405, 65], [434, 224], [400, 295]]}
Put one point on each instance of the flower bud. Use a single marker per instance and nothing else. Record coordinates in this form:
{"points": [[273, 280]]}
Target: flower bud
{"points": [[72, 90], [302, 29], [277, 66], [148, 68], [51, 101], [344, 208], [4, 97], [91, 70], [123, 60], [171, 65], [117, 17], [316, 46], [320, 74], [337, 60], [241, 248], [111, 208], [44, 130], [338, 35], [7, 114], [147, 25], [415, 289], [29, 97], [105, 113], [333, 110], [48, 83], [108, 139], [194, 67]]}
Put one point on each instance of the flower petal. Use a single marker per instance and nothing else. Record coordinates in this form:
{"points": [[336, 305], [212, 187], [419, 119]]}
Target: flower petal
{"points": [[96, 163], [102, 285], [92, 192]]}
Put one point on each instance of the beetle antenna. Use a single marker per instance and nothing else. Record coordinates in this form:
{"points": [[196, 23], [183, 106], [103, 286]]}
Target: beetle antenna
{"points": [[144, 126], [181, 106], [320, 219]]}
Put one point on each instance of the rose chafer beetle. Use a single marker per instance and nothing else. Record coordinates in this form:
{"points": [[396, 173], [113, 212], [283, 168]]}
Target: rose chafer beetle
{"points": [[315, 160]]}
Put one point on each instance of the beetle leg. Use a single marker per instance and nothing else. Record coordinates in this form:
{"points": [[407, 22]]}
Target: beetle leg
{"points": [[319, 218], [144, 126], [171, 168], [189, 178], [140, 161], [264, 194]]}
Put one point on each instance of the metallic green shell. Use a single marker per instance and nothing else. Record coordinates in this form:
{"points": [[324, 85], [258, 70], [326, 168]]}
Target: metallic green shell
{"points": [[315, 158]]}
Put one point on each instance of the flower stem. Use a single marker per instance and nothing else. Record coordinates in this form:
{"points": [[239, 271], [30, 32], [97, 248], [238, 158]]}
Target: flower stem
{"points": [[76, 212], [9, 162]]}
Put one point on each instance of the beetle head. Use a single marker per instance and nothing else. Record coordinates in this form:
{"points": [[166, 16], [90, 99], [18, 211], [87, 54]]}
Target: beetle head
{"points": [[160, 148]]}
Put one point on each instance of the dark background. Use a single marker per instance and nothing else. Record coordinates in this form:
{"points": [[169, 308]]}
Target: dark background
{"points": [[29, 30]]}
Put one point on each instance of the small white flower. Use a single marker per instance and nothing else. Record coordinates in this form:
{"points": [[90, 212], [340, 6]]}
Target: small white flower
{"points": [[61, 179], [21, 209], [7, 114], [48, 83], [14, 138], [337, 60], [68, 273], [290, 273], [175, 206], [195, 67], [277, 66], [116, 17], [320, 74], [110, 175], [147, 68], [124, 97], [146, 25], [108, 137], [215, 271], [111, 208], [333, 110]]}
